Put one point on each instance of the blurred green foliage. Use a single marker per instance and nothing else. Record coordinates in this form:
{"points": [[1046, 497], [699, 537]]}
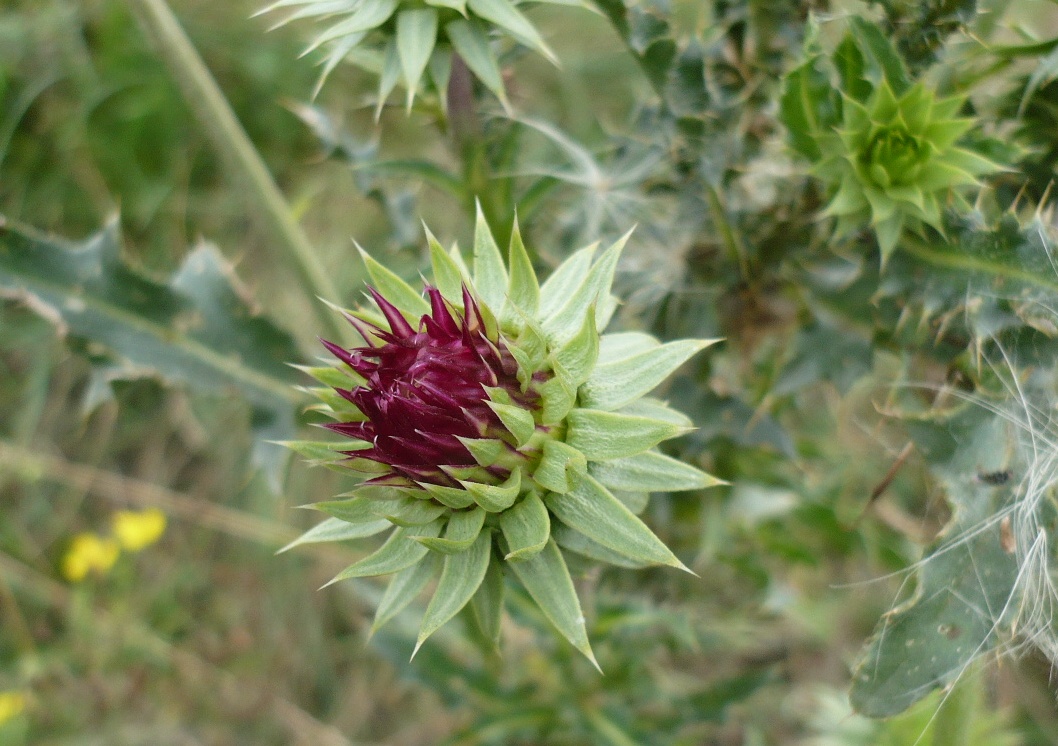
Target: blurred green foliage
{"points": [[829, 408]]}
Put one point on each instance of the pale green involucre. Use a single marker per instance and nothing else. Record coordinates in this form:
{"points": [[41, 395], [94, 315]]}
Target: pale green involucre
{"points": [[568, 472], [411, 42]]}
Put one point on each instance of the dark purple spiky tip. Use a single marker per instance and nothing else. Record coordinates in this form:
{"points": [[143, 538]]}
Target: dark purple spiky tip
{"points": [[425, 389]]}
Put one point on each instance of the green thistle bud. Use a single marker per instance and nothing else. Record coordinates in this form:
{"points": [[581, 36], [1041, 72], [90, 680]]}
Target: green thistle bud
{"points": [[894, 162], [884, 145], [493, 426], [411, 42]]}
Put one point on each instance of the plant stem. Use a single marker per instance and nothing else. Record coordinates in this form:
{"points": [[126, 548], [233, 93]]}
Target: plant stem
{"points": [[732, 242], [467, 139], [230, 140]]}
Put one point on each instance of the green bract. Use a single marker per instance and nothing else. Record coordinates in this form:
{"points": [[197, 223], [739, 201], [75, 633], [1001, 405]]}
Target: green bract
{"points": [[493, 427], [411, 42], [884, 145]]}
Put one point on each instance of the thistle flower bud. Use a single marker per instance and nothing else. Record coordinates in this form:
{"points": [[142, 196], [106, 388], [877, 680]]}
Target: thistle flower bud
{"points": [[894, 161], [884, 145], [491, 423]]}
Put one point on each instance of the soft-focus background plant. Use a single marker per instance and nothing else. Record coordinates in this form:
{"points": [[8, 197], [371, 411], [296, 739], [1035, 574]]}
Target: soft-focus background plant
{"points": [[855, 409]]}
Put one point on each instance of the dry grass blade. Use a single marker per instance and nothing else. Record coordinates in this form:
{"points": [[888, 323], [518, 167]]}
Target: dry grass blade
{"points": [[302, 726], [130, 491]]}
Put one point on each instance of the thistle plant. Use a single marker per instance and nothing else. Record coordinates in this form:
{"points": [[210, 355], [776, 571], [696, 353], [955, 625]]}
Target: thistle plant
{"points": [[492, 426], [412, 42], [885, 148]]}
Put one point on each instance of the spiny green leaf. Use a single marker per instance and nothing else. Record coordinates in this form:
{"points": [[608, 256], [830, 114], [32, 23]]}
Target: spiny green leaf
{"points": [[655, 409], [523, 289], [621, 345], [441, 72], [409, 511], [453, 497], [594, 288], [531, 341], [651, 471], [614, 384], [460, 5], [498, 395], [490, 276], [559, 464], [506, 16], [335, 529], [804, 97], [636, 502], [565, 279], [462, 530], [557, 395], [487, 603], [387, 81], [498, 497], [525, 365], [579, 354], [472, 43], [517, 420], [592, 510], [366, 17], [399, 552], [526, 527], [607, 435], [880, 52], [964, 589], [317, 451], [446, 273], [360, 509], [405, 586], [484, 450], [416, 36], [547, 579], [460, 579], [578, 543], [198, 330], [394, 289], [851, 66], [339, 378]]}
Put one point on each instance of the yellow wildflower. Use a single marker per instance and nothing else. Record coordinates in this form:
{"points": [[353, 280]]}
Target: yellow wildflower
{"points": [[89, 553], [12, 704], [138, 530]]}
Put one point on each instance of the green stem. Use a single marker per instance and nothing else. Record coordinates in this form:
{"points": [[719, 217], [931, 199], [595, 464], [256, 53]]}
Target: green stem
{"points": [[735, 249], [468, 140], [230, 140]]}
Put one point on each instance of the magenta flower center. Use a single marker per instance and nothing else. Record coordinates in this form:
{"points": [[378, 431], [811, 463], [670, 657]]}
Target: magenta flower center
{"points": [[424, 389]]}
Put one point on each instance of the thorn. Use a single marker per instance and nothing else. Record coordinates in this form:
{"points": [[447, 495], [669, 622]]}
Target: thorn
{"points": [[680, 566], [587, 651], [331, 582]]}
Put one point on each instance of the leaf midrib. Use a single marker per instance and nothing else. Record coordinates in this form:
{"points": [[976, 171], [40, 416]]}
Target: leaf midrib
{"points": [[225, 365], [975, 264]]}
